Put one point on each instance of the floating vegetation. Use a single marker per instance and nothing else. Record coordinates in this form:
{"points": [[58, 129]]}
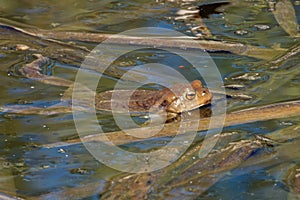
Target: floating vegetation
{"points": [[285, 15]]}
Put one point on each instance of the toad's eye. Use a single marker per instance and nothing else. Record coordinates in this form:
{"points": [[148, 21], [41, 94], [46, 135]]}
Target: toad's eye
{"points": [[203, 93], [190, 95]]}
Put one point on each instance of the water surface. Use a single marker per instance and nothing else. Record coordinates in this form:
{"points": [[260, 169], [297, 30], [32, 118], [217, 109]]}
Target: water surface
{"points": [[28, 170]]}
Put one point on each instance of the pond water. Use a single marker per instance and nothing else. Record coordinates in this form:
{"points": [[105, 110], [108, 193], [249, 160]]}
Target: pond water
{"points": [[30, 170]]}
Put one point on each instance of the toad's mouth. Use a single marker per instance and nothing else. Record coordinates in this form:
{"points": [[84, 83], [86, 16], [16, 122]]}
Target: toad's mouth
{"points": [[178, 106]]}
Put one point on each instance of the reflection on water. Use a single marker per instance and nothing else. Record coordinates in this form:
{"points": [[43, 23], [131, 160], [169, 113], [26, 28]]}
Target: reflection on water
{"points": [[91, 15], [31, 170]]}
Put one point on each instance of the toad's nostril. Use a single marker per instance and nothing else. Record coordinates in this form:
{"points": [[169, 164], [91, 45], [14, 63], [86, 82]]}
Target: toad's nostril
{"points": [[164, 103]]}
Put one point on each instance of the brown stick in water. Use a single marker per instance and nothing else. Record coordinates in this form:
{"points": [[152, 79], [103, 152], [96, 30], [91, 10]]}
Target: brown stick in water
{"points": [[274, 111], [157, 42]]}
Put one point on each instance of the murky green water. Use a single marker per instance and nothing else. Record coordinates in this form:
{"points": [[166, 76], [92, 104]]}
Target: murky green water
{"points": [[28, 170]]}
